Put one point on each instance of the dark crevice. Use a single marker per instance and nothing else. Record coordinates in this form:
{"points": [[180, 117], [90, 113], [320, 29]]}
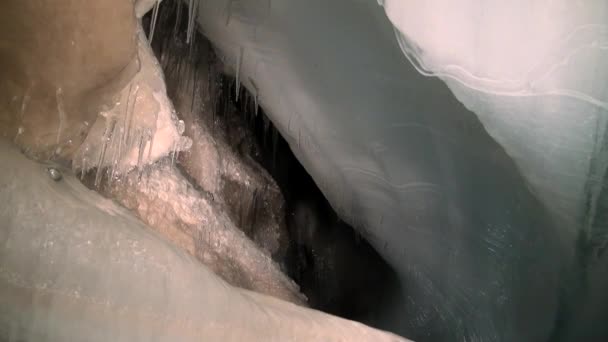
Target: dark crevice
{"points": [[336, 268]]}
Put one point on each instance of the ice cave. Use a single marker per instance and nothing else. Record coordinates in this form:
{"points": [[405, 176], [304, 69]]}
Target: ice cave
{"points": [[304, 170]]}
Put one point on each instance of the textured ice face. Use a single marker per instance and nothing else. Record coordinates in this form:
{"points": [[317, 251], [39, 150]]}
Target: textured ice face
{"points": [[481, 207]]}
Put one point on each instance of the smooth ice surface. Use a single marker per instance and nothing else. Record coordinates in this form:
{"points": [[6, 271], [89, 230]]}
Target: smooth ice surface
{"points": [[535, 73], [76, 267], [484, 208]]}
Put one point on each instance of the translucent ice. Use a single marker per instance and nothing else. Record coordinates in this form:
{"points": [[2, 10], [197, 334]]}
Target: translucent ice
{"points": [[480, 193]]}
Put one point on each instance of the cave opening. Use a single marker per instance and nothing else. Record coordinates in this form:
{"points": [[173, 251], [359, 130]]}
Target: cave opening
{"points": [[335, 267]]}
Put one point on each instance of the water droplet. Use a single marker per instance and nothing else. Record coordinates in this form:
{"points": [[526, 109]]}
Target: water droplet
{"points": [[54, 174], [181, 127]]}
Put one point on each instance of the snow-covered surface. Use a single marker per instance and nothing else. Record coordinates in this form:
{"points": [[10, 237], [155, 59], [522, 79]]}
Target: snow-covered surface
{"points": [[481, 207]]}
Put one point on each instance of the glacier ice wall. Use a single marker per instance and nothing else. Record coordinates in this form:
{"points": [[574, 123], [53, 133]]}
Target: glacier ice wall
{"points": [[535, 73], [483, 208]]}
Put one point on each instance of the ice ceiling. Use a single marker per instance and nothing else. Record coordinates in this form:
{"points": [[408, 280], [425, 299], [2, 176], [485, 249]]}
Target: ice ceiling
{"points": [[487, 195], [465, 139]]}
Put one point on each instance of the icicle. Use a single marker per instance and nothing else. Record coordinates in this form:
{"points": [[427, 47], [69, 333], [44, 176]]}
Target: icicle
{"points": [[114, 148], [102, 154], [229, 12], [178, 17], [127, 117], [24, 102], [190, 7], [239, 62], [61, 111], [255, 102], [83, 167], [192, 14], [154, 18], [299, 137], [254, 208], [143, 142], [173, 153], [194, 84], [255, 96], [140, 150], [19, 132]]}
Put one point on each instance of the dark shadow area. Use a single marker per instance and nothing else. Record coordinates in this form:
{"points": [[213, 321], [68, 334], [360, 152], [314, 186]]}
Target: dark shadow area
{"points": [[337, 269]]}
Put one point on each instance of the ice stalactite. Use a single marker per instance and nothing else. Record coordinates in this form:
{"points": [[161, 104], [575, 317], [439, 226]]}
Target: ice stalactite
{"points": [[61, 113], [84, 165], [228, 11], [255, 98], [152, 132], [145, 128], [25, 99], [114, 147], [143, 142], [192, 14], [106, 140], [239, 64], [154, 19]]}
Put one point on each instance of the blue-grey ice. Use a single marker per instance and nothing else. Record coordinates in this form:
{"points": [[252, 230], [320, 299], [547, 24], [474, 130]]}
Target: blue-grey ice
{"points": [[465, 139]]}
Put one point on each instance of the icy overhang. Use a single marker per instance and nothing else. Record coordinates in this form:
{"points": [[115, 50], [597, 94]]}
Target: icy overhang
{"points": [[479, 206]]}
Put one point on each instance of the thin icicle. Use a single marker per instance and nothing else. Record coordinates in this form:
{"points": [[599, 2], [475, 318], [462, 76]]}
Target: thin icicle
{"points": [[192, 14], [19, 132], [190, 8], [151, 146], [131, 101], [229, 12], [173, 153], [102, 153], [178, 17], [83, 168], [255, 103], [61, 111], [126, 116], [239, 62], [154, 18], [116, 140], [255, 92], [24, 102], [194, 85], [143, 141]]}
